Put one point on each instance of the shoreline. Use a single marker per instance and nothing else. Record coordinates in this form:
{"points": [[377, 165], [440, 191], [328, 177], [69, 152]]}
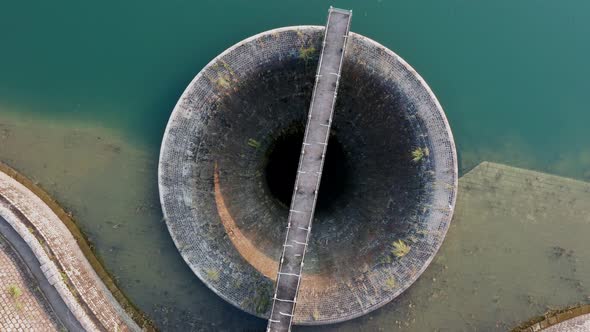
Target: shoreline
{"points": [[553, 318], [85, 247]]}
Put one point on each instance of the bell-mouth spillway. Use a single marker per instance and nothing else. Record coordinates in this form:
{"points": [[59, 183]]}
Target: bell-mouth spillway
{"points": [[388, 189]]}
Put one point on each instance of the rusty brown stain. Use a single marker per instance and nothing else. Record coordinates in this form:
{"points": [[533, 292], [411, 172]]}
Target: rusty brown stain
{"points": [[260, 261]]}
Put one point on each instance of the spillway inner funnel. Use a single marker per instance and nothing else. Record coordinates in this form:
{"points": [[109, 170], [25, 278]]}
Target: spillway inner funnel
{"points": [[230, 154]]}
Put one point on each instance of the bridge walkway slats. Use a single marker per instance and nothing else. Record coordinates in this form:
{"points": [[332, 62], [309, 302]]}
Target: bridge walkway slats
{"points": [[310, 168]]}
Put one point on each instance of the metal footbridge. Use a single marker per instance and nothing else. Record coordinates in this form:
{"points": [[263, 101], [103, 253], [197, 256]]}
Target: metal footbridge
{"points": [[309, 172]]}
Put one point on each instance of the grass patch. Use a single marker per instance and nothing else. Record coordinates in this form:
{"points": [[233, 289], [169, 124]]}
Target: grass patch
{"points": [[419, 153], [253, 143], [222, 82], [400, 249], [212, 274], [306, 53], [315, 314], [385, 259], [14, 291], [390, 283]]}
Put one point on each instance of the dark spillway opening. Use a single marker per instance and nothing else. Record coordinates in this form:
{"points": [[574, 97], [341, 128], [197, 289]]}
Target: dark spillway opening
{"points": [[282, 162], [372, 192]]}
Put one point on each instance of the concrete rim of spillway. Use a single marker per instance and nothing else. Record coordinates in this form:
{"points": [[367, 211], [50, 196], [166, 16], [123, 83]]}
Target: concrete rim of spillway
{"points": [[188, 179]]}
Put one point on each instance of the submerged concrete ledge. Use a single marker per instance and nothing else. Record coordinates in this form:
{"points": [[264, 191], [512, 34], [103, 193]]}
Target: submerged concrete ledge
{"points": [[60, 258], [573, 319]]}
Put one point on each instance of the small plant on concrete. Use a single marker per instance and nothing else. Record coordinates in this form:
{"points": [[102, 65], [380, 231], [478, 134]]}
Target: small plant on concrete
{"points": [[306, 53], [19, 306], [385, 259], [390, 283], [212, 275], [222, 82], [253, 143], [227, 67], [400, 249], [315, 314], [419, 154], [14, 291]]}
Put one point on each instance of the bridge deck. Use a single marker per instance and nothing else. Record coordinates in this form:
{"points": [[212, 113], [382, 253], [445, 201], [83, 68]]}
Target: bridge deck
{"points": [[310, 168]]}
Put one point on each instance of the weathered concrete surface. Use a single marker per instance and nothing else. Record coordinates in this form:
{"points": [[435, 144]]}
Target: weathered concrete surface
{"points": [[22, 305], [309, 172], [576, 324], [226, 223], [572, 319], [30, 266], [61, 260]]}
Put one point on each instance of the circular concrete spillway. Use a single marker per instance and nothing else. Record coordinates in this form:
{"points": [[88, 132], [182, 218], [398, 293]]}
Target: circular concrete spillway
{"points": [[229, 157]]}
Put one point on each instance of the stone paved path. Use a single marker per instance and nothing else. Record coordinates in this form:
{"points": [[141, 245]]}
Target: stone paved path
{"points": [[22, 305], [576, 324], [61, 259]]}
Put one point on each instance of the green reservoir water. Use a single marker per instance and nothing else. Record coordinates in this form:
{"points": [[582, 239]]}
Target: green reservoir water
{"points": [[86, 90]]}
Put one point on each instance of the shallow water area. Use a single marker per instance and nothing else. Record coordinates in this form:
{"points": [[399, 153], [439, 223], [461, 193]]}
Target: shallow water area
{"points": [[505, 256], [504, 259], [108, 185]]}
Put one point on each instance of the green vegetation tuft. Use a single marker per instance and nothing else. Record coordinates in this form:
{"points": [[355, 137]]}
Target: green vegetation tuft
{"points": [[222, 82], [400, 249], [212, 274], [385, 259], [419, 153], [315, 314], [306, 53], [390, 283], [19, 306], [253, 143], [227, 67], [14, 291]]}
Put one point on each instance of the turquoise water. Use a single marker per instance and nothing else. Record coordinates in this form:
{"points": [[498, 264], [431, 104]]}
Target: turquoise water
{"points": [[511, 76], [507, 73]]}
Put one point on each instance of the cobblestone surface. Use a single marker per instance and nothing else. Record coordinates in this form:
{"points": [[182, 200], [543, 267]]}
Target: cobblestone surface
{"points": [[22, 305], [577, 324], [61, 260]]}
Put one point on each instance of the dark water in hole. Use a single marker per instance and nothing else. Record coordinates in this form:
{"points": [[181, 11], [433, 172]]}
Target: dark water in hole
{"points": [[281, 169]]}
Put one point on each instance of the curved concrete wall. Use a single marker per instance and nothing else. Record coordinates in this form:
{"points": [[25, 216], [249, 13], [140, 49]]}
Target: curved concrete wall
{"points": [[226, 226]]}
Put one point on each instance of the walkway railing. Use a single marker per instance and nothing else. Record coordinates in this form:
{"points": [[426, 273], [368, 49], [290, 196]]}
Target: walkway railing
{"points": [[309, 172]]}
